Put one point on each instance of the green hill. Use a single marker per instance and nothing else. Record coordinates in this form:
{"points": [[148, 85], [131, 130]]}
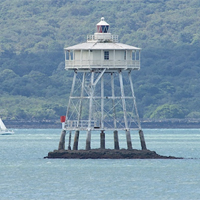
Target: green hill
{"points": [[35, 85]]}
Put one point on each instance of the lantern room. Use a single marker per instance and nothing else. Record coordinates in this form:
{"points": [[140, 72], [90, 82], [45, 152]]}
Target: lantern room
{"points": [[102, 26]]}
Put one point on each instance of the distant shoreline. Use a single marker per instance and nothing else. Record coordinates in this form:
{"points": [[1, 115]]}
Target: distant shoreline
{"points": [[174, 124]]}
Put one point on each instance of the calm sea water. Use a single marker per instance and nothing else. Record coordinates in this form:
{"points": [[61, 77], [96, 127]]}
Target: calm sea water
{"points": [[25, 175]]}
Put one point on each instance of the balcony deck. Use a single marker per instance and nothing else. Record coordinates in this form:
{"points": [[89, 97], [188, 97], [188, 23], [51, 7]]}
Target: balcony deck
{"points": [[101, 64]]}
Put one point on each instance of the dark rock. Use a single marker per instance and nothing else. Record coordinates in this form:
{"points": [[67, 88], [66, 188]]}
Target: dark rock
{"points": [[107, 154]]}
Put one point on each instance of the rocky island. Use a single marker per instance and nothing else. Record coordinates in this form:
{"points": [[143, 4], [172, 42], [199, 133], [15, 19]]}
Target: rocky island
{"points": [[107, 154]]}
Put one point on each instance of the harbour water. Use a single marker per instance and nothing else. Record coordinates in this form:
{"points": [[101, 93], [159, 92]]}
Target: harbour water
{"points": [[25, 174]]}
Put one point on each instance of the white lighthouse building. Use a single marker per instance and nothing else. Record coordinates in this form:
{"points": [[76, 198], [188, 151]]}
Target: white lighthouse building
{"points": [[102, 96]]}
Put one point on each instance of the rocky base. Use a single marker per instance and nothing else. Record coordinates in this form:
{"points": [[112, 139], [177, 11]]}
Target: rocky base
{"points": [[107, 154]]}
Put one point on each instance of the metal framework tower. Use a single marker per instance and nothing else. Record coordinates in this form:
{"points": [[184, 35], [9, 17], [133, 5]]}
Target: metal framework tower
{"points": [[102, 96]]}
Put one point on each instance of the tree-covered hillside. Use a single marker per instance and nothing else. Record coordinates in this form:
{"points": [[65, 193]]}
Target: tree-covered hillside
{"points": [[35, 85]]}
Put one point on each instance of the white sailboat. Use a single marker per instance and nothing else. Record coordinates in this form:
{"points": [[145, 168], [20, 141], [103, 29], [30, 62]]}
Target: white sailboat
{"points": [[4, 130]]}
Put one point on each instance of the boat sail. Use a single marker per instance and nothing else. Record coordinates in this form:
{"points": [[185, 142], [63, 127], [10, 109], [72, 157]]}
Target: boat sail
{"points": [[4, 130]]}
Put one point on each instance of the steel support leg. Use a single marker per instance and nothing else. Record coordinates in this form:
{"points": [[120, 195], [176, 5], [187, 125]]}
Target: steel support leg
{"points": [[69, 144], [128, 135], [102, 102], [134, 101], [81, 100], [88, 141], [70, 97], [116, 140], [76, 137], [102, 139], [113, 100], [128, 139], [62, 141], [142, 141]]}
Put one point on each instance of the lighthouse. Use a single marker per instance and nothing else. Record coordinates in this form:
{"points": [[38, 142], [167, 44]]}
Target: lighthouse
{"points": [[102, 95]]}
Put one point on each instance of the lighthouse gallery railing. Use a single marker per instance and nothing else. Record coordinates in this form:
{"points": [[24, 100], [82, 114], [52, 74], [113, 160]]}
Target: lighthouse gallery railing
{"points": [[134, 64]]}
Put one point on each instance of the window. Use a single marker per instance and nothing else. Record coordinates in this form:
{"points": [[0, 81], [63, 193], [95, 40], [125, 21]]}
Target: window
{"points": [[106, 55], [71, 55]]}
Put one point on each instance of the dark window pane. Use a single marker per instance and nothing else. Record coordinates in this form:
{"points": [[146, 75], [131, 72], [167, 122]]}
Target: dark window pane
{"points": [[106, 55]]}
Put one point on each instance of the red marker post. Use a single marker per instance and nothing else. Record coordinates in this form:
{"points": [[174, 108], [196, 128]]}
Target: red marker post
{"points": [[62, 120]]}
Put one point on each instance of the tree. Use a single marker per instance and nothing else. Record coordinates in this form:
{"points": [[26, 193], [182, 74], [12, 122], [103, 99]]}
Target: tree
{"points": [[167, 111]]}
